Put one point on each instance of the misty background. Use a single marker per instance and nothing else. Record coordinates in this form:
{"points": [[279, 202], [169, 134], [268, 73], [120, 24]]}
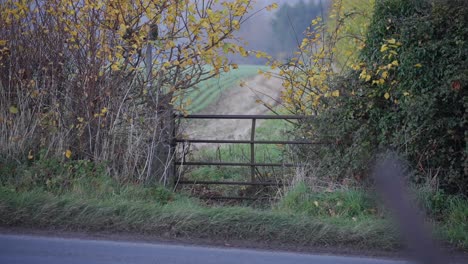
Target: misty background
{"points": [[279, 31]]}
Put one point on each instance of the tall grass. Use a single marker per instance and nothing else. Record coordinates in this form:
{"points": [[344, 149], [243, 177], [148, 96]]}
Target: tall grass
{"points": [[100, 204]]}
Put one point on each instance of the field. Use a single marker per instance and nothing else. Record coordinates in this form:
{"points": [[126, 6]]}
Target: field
{"points": [[208, 91]]}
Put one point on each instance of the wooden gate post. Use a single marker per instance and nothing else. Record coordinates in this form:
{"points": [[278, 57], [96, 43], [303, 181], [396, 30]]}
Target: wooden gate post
{"points": [[172, 180]]}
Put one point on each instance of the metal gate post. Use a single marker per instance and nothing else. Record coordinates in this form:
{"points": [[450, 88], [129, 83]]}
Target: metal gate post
{"points": [[252, 151]]}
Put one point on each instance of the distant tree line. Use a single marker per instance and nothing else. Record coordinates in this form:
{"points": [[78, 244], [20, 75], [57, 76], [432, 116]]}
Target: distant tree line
{"points": [[289, 24]]}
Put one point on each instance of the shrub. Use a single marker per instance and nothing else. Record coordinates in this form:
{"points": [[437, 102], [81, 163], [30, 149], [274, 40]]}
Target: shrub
{"points": [[407, 93]]}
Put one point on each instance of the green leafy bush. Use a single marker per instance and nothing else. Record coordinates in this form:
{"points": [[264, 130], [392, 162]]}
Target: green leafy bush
{"points": [[52, 174], [407, 94]]}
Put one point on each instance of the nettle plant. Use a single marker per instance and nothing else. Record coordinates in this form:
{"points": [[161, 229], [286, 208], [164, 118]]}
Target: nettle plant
{"points": [[92, 79]]}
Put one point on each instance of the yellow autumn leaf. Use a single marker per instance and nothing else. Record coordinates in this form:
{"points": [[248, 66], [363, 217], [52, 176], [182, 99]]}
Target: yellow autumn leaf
{"points": [[418, 65], [336, 93], [387, 95], [13, 109], [385, 74], [30, 155], [384, 48], [271, 7], [391, 41], [167, 64], [395, 63], [68, 153], [406, 93], [316, 203], [115, 67], [304, 43], [104, 110], [205, 24]]}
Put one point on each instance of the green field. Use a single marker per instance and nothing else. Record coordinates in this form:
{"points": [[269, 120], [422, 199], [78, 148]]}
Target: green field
{"points": [[208, 91]]}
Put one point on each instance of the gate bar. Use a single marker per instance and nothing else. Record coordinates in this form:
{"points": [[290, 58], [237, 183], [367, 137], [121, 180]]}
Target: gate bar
{"points": [[237, 164], [230, 141], [231, 183], [236, 198], [241, 116]]}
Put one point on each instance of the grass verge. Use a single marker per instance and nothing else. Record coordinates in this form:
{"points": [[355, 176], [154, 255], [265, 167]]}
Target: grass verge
{"points": [[152, 211], [79, 200]]}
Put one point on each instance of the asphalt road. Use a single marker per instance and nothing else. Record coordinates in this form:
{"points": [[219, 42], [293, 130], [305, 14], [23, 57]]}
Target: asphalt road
{"points": [[33, 249]]}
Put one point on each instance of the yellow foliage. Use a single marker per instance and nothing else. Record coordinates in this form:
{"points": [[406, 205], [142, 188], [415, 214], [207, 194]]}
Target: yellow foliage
{"points": [[384, 48], [68, 153], [356, 16]]}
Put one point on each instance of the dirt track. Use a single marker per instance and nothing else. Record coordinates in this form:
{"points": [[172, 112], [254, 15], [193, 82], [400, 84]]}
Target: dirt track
{"points": [[236, 100]]}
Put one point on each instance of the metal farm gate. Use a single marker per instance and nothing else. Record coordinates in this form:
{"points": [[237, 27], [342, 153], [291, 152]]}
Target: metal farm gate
{"points": [[252, 163]]}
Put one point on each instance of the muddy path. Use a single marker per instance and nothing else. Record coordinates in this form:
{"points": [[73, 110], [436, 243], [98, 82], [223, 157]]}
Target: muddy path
{"points": [[246, 100]]}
